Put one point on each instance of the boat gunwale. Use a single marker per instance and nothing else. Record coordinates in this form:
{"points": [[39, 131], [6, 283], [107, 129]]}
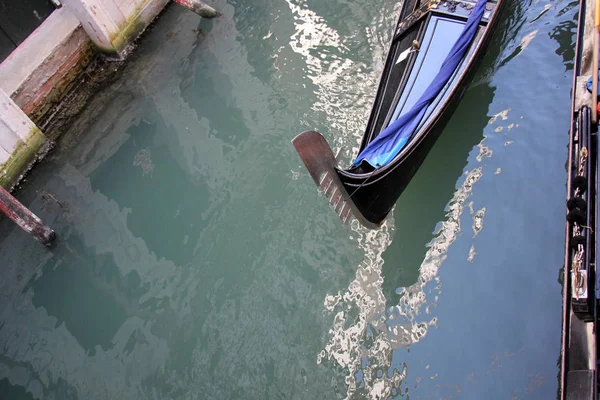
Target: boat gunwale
{"points": [[378, 174], [566, 295], [366, 138], [421, 15]]}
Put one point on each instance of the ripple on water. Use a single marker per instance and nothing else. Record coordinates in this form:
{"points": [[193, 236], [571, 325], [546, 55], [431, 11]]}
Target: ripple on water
{"points": [[361, 310]]}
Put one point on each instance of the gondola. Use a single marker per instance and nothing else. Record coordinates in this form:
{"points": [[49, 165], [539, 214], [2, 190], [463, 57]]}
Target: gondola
{"points": [[578, 377], [433, 55]]}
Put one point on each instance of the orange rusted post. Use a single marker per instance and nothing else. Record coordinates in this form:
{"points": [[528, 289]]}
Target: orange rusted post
{"points": [[198, 7], [27, 220]]}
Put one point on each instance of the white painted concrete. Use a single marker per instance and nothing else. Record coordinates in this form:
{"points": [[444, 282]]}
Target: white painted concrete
{"points": [[15, 127], [129, 7], [14, 118], [38, 47], [111, 24], [101, 19]]}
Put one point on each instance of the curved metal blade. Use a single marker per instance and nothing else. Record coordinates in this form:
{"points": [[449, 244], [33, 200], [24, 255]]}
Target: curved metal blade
{"points": [[319, 160]]}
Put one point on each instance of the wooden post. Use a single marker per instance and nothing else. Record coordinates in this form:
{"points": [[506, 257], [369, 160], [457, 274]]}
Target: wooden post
{"points": [[198, 7], [27, 220]]}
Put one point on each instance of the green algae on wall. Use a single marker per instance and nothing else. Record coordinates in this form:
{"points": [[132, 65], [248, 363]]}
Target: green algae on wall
{"points": [[132, 27], [22, 156]]}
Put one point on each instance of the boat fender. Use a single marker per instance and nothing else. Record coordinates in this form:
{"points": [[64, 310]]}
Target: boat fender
{"points": [[576, 203], [579, 182], [578, 217], [576, 241]]}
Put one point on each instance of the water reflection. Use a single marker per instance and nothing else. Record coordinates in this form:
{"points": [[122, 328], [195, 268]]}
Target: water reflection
{"points": [[194, 258], [344, 83], [512, 21], [423, 204], [564, 34], [369, 322], [392, 305]]}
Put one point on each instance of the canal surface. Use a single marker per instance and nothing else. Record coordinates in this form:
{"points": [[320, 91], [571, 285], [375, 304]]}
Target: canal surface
{"points": [[195, 259]]}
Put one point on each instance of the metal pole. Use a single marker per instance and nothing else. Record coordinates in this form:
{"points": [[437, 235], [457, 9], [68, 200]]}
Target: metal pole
{"points": [[27, 220]]}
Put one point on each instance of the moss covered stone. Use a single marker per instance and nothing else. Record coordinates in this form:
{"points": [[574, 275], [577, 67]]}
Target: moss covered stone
{"points": [[21, 158]]}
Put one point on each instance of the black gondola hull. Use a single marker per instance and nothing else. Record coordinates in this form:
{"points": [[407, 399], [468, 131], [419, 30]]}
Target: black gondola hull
{"points": [[370, 195], [377, 197], [578, 377]]}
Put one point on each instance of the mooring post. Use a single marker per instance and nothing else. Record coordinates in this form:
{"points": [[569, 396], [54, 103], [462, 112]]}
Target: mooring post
{"points": [[199, 7], [27, 220]]}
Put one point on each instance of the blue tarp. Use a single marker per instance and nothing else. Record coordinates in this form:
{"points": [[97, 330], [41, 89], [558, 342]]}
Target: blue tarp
{"points": [[392, 139]]}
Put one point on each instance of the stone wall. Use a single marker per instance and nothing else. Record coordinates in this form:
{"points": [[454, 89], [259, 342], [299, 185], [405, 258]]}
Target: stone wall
{"points": [[38, 74]]}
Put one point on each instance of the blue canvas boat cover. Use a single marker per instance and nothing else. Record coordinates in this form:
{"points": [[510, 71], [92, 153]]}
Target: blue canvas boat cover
{"points": [[392, 139]]}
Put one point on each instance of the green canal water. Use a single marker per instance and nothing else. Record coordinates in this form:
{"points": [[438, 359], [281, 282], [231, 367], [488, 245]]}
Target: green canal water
{"points": [[195, 259]]}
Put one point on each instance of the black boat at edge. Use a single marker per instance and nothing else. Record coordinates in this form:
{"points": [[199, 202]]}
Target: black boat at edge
{"points": [[424, 34], [578, 376]]}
